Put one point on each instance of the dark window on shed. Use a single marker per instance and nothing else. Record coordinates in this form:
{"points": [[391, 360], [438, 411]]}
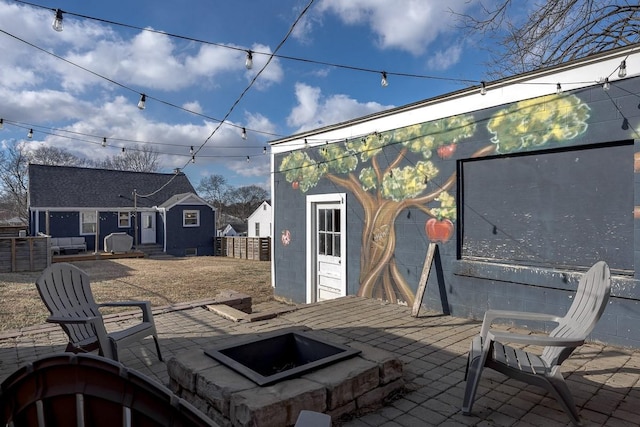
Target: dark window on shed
{"points": [[555, 208]]}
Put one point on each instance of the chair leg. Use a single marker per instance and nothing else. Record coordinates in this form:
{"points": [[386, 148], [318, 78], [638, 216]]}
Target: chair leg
{"points": [[475, 364], [558, 387], [155, 338]]}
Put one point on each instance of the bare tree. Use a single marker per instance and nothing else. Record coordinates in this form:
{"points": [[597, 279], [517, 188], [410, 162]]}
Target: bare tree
{"points": [[143, 159], [14, 169], [214, 189], [553, 31], [54, 156], [244, 200], [13, 175]]}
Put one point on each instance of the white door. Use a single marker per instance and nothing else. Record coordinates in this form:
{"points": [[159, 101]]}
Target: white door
{"points": [[148, 231], [326, 247]]}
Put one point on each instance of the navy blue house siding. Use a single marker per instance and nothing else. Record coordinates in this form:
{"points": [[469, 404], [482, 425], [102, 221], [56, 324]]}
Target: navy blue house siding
{"points": [[183, 240], [527, 223]]}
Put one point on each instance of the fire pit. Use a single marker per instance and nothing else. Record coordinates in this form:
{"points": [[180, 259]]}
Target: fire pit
{"points": [[305, 368], [279, 356]]}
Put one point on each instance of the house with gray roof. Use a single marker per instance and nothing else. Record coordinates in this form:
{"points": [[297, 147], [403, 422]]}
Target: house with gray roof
{"points": [[154, 208]]}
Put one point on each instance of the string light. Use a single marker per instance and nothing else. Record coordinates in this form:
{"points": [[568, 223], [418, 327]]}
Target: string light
{"points": [[248, 63], [142, 102], [57, 21], [193, 159], [384, 82], [244, 133], [30, 134], [264, 150], [558, 88], [483, 88], [191, 150], [622, 70], [248, 159], [104, 142], [123, 149], [606, 85], [1, 123]]}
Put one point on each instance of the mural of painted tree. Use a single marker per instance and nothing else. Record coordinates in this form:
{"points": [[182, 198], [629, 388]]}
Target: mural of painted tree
{"points": [[384, 188], [386, 184]]}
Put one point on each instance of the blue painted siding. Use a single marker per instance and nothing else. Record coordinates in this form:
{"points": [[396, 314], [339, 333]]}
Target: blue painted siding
{"points": [[470, 287], [180, 238]]}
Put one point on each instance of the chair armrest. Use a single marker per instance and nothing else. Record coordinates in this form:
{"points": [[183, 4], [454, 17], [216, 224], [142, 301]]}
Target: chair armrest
{"points": [[98, 329], [145, 306], [491, 315], [73, 320], [541, 340]]}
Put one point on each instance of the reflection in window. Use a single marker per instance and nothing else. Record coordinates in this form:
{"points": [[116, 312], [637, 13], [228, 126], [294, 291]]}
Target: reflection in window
{"points": [[191, 219]]}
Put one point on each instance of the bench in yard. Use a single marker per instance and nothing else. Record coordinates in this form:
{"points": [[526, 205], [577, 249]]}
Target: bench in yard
{"points": [[68, 245]]}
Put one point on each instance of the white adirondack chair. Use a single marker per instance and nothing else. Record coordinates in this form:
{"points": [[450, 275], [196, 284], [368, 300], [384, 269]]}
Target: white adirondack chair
{"points": [[66, 291], [488, 348]]}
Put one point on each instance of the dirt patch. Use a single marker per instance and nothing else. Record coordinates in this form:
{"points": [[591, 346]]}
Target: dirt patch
{"points": [[162, 282]]}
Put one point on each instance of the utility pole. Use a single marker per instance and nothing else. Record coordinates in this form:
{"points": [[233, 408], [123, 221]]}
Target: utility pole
{"points": [[135, 215]]}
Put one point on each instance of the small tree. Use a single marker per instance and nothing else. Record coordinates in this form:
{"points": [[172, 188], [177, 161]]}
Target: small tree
{"points": [[214, 189]]}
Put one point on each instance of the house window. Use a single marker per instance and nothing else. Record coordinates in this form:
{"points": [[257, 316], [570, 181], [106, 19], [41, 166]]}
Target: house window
{"points": [[257, 229], [191, 219], [87, 222], [124, 220]]}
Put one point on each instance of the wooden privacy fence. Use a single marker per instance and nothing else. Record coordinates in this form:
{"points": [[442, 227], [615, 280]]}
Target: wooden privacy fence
{"points": [[256, 248], [24, 254]]}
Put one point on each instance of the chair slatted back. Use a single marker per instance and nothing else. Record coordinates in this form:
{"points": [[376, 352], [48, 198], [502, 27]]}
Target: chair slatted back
{"points": [[66, 291], [590, 300]]}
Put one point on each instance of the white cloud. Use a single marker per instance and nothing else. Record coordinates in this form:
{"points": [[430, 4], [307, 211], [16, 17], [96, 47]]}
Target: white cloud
{"points": [[193, 106], [444, 59], [409, 25], [314, 111]]}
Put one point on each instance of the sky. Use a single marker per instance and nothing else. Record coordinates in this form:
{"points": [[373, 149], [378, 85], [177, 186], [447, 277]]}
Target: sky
{"points": [[76, 87]]}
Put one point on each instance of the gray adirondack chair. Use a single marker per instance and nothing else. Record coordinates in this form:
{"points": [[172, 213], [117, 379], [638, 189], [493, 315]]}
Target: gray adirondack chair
{"points": [[66, 291], [488, 348]]}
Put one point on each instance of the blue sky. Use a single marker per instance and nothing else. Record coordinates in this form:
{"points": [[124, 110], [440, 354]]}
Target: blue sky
{"points": [[55, 98]]}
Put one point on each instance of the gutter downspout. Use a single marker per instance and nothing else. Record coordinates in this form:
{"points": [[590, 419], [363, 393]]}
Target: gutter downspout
{"points": [[163, 214]]}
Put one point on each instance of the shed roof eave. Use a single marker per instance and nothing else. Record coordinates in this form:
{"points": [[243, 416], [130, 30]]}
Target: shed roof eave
{"points": [[617, 53]]}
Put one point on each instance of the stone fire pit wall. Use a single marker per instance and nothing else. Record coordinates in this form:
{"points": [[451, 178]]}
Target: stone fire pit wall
{"points": [[230, 399]]}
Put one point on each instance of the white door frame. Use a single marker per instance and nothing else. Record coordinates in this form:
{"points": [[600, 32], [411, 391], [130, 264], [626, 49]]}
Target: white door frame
{"points": [[312, 202]]}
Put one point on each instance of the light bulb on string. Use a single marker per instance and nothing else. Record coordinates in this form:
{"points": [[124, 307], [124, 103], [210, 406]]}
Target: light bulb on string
{"points": [[483, 88], [622, 70], [384, 82], [191, 150], [558, 88], [248, 63], [244, 133], [606, 85], [248, 159], [264, 150], [193, 159], [104, 142], [57, 21], [1, 123], [30, 134], [143, 101], [123, 149]]}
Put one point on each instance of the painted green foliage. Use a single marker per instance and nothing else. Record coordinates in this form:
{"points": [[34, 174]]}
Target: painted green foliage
{"points": [[386, 182]]}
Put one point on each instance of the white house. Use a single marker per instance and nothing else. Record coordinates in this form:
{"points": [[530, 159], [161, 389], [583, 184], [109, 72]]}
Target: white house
{"points": [[259, 222]]}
